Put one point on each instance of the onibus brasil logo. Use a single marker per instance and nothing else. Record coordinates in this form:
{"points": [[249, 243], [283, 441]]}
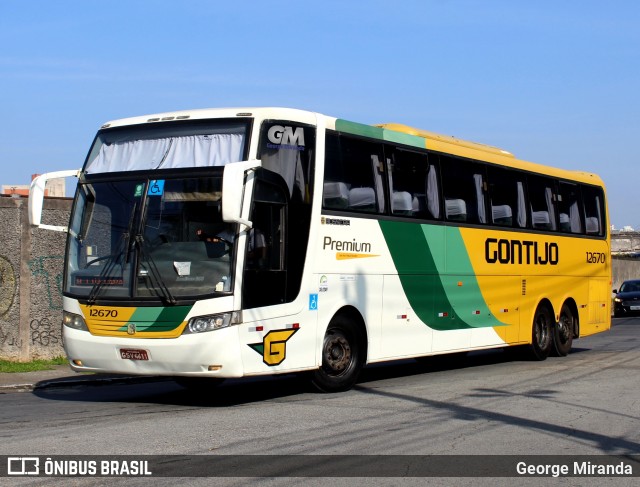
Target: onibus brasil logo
{"points": [[273, 347]]}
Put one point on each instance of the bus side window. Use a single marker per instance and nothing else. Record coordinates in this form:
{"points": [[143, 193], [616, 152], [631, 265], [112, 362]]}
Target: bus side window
{"points": [[288, 149], [413, 185], [569, 208], [541, 192], [464, 187], [353, 175], [507, 198], [593, 210]]}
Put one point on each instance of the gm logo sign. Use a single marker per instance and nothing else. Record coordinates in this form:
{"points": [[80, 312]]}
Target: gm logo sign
{"points": [[285, 137]]}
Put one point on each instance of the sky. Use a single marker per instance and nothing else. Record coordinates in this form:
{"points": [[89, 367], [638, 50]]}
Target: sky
{"points": [[553, 82]]}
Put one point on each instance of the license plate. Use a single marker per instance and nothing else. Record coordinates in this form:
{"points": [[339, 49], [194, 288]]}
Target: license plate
{"points": [[635, 308], [133, 354]]}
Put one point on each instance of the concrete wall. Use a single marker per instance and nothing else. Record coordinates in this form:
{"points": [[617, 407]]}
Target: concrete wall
{"points": [[624, 269], [31, 280], [625, 242]]}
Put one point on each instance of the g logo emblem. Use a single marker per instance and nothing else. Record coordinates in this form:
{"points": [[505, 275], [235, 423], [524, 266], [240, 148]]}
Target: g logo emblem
{"points": [[274, 346]]}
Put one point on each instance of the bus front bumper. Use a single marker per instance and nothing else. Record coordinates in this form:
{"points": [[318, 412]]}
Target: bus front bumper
{"points": [[210, 354]]}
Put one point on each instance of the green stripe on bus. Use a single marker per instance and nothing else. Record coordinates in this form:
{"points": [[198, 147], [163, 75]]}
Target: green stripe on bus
{"points": [[358, 129], [430, 291], [158, 318], [379, 133], [174, 313]]}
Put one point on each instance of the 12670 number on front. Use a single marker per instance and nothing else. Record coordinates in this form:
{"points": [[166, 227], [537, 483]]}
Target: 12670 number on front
{"points": [[103, 313]]}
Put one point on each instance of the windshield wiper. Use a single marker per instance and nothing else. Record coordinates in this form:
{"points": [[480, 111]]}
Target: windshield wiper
{"points": [[122, 247], [155, 273], [106, 271]]}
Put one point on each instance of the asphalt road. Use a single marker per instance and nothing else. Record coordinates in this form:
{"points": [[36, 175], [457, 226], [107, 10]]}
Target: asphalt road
{"points": [[485, 403]]}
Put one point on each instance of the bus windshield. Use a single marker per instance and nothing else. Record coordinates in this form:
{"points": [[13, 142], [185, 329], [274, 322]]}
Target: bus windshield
{"points": [[149, 239], [169, 146]]}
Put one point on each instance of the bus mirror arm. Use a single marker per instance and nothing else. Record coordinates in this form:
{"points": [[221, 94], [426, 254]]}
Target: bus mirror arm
{"points": [[232, 194], [36, 197]]}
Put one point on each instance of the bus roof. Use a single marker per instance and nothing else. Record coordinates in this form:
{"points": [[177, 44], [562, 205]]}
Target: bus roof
{"points": [[434, 141], [204, 113], [464, 148], [443, 140]]}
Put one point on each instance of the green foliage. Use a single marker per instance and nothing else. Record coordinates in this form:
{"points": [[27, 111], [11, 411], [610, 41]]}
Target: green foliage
{"points": [[7, 366]]}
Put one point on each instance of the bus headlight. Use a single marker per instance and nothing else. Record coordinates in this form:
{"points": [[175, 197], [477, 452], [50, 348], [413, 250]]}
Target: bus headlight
{"points": [[74, 321], [201, 324]]}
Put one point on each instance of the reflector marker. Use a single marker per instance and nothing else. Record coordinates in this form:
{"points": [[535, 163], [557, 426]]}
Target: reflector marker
{"points": [[401, 317], [504, 310], [293, 326], [476, 312], [443, 315]]}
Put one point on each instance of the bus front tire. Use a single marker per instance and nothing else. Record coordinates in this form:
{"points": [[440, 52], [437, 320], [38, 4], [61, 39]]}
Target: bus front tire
{"points": [[343, 356], [563, 332], [541, 335]]}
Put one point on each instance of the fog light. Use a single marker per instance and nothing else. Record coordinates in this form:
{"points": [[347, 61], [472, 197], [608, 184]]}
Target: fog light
{"points": [[77, 362], [213, 368]]}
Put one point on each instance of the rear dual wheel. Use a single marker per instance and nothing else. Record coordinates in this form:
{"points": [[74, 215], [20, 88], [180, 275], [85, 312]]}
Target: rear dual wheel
{"points": [[541, 333], [549, 337], [563, 332]]}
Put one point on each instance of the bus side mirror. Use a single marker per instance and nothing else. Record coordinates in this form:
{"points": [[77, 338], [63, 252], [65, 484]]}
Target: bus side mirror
{"points": [[233, 193], [36, 197]]}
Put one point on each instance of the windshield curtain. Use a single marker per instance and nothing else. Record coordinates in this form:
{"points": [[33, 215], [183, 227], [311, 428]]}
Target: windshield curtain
{"points": [[149, 239], [171, 146]]}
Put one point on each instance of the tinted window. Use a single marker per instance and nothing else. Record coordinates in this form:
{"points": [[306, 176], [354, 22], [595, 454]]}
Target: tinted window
{"points": [[353, 175], [413, 183], [288, 149], [507, 197], [542, 202], [593, 210], [569, 208], [464, 186]]}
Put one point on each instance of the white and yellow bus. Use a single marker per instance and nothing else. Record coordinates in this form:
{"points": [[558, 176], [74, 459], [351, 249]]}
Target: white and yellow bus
{"points": [[227, 243]]}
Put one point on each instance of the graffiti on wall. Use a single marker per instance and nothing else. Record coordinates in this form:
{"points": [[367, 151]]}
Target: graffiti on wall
{"points": [[44, 333], [49, 268], [8, 285], [8, 288], [8, 340], [46, 273]]}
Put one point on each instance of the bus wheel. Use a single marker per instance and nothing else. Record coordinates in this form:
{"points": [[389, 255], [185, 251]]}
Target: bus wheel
{"points": [[563, 332], [343, 356], [541, 333]]}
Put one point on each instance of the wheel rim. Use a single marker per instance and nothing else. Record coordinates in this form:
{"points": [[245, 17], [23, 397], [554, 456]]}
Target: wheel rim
{"points": [[337, 354], [542, 330], [564, 328]]}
